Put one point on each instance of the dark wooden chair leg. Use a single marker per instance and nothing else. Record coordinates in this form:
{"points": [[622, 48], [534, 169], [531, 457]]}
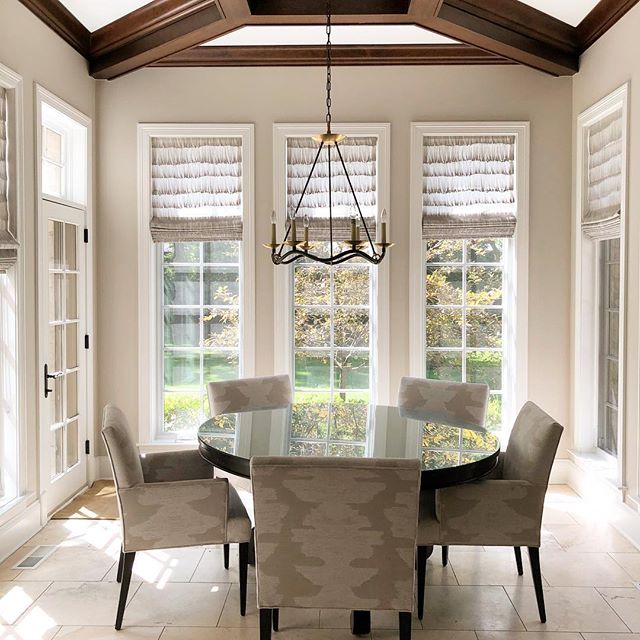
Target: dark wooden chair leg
{"points": [[445, 555], [252, 548], [243, 552], [265, 624], [421, 560], [405, 625], [275, 614], [518, 553], [127, 566], [120, 565], [360, 623], [225, 550], [534, 559]]}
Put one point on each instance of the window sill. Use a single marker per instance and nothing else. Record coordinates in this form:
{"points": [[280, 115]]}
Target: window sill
{"points": [[598, 466], [15, 507]]}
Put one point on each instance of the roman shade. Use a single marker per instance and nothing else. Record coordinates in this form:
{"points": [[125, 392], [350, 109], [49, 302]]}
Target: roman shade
{"points": [[468, 187], [360, 158], [196, 187], [8, 243], [601, 209]]}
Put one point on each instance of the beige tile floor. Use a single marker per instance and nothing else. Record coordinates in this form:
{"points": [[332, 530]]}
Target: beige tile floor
{"points": [[185, 594]]}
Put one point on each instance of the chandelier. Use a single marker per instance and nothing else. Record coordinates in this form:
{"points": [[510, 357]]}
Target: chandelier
{"points": [[361, 244]]}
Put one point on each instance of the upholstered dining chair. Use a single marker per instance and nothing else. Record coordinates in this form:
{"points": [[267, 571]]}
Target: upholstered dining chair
{"points": [[335, 534], [458, 404], [169, 500], [503, 510], [249, 394]]}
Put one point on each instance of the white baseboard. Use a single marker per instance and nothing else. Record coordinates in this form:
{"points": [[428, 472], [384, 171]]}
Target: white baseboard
{"points": [[15, 532]]}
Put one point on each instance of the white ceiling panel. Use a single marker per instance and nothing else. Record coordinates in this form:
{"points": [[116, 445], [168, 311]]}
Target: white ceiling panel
{"points": [[340, 34], [570, 11], [96, 13]]}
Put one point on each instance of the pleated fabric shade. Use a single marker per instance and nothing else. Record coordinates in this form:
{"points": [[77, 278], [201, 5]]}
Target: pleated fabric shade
{"points": [[468, 187], [360, 159], [196, 189], [8, 243], [601, 210]]}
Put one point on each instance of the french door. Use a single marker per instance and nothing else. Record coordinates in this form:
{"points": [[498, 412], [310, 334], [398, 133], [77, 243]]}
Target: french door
{"points": [[63, 372]]}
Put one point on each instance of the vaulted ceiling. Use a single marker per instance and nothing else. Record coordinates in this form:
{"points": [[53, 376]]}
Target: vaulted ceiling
{"points": [[120, 36]]}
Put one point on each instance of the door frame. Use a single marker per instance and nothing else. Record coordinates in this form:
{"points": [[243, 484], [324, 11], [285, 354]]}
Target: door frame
{"points": [[42, 96]]}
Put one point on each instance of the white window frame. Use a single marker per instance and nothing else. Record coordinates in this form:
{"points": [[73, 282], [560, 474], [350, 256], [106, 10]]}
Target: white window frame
{"points": [[283, 309], [516, 261], [149, 350], [25, 486], [586, 308]]}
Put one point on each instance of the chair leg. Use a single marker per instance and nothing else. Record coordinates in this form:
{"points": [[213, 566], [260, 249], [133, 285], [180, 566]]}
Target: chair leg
{"points": [[120, 565], [265, 624], [534, 559], [421, 561], [225, 550], [275, 614], [243, 552], [518, 553], [127, 566], [405, 625], [445, 555]]}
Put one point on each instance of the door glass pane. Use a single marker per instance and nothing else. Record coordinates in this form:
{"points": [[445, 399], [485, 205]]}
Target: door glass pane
{"points": [[55, 348], [55, 244], [72, 443], [72, 346], [70, 246], [55, 296], [57, 452], [72, 297], [72, 394], [57, 409]]}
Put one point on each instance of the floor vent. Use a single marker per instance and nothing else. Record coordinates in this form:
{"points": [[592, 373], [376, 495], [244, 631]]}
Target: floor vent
{"points": [[36, 557]]}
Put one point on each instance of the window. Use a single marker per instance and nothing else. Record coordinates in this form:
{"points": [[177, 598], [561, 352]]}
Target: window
{"points": [[12, 357], [469, 289], [600, 265], [609, 345], [201, 326], [53, 165], [334, 317], [464, 315], [197, 267]]}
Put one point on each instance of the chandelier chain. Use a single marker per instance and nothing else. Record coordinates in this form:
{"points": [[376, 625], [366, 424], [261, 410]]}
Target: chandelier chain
{"points": [[328, 30]]}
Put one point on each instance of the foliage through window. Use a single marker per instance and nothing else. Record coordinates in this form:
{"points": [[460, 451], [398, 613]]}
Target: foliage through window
{"points": [[464, 322], [201, 327], [332, 354]]}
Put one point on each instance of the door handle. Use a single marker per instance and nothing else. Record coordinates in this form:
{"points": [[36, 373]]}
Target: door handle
{"points": [[48, 376]]}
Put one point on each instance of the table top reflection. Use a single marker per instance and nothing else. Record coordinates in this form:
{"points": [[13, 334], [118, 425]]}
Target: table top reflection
{"points": [[449, 455]]}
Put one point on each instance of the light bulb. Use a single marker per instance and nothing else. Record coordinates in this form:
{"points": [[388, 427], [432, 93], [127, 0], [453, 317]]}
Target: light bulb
{"points": [[273, 217], [305, 220], [384, 216]]}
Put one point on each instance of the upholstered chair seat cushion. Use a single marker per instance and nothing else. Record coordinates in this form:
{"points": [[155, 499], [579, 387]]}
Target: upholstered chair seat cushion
{"points": [[249, 394], [171, 466], [335, 533]]}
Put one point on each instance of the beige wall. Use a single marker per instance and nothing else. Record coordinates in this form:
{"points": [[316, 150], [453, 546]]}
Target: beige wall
{"points": [[612, 61], [31, 49], [398, 95]]}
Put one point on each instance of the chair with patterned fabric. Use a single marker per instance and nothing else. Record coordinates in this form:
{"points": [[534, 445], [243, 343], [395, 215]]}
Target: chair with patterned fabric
{"points": [[249, 394], [169, 500], [335, 534], [458, 404], [505, 509]]}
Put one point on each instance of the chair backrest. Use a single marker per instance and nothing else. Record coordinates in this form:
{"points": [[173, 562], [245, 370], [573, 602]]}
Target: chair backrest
{"points": [[532, 446], [335, 533], [123, 453], [459, 404], [249, 394]]}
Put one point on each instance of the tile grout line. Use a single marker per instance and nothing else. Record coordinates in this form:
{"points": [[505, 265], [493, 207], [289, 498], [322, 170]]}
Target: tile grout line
{"points": [[515, 609], [597, 589], [26, 611], [224, 604]]}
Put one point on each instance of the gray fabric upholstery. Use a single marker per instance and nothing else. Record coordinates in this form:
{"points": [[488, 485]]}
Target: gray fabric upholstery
{"points": [[123, 454], [505, 509], [172, 466], [169, 499], [335, 533], [249, 394], [459, 404]]}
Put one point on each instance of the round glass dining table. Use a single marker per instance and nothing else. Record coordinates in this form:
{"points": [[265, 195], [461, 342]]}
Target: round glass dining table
{"points": [[449, 455]]}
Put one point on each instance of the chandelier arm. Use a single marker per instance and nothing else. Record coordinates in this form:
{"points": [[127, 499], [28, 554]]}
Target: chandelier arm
{"points": [[304, 190], [355, 199], [295, 254]]}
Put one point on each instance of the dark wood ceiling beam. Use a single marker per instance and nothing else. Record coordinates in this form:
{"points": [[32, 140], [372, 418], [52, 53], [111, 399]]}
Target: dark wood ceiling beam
{"points": [[510, 29], [146, 41], [294, 56], [56, 16], [425, 8], [318, 7], [601, 18]]}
